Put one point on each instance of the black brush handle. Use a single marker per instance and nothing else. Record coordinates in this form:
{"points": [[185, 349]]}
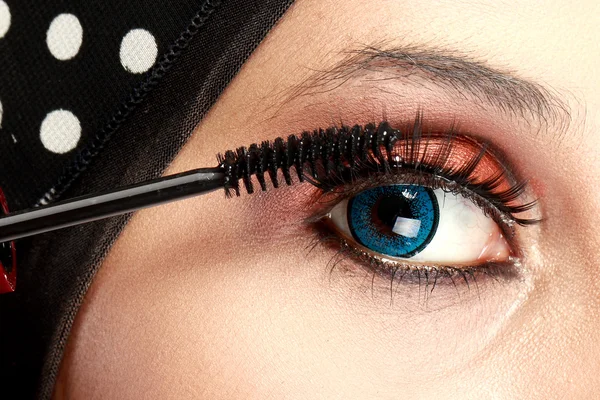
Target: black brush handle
{"points": [[115, 202]]}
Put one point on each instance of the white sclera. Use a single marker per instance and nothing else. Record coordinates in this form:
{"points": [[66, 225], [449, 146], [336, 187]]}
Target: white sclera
{"points": [[464, 234]]}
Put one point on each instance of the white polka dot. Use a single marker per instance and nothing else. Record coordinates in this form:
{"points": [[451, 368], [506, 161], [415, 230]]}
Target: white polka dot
{"points": [[64, 36], [4, 18], [60, 131], [138, 51]]}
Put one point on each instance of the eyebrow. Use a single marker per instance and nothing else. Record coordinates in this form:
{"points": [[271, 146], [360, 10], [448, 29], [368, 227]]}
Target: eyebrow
{"points": [[449, 70]]}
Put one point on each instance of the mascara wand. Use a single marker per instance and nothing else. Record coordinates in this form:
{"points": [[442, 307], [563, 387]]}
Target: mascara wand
{"points": [[120, 201]]}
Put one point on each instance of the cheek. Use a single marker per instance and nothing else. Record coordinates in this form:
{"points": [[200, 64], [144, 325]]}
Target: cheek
{"points": [[231, 304]]}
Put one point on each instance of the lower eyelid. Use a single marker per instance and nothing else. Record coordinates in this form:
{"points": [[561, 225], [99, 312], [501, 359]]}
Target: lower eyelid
{"points": [[390, 278]]}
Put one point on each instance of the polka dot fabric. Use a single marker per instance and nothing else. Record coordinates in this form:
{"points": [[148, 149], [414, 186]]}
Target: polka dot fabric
{"points": [[86, 110], [66, 67], [4, 18]]}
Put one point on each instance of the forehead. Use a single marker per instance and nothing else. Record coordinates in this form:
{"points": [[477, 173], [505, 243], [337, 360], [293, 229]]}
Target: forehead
{"points": [[534, 42]]}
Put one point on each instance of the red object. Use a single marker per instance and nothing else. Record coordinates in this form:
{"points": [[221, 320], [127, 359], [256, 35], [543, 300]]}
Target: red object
{"points": [[8, 257]]}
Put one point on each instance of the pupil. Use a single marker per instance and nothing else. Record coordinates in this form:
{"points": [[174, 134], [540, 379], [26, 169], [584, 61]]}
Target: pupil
{"points": [[389, 209]]}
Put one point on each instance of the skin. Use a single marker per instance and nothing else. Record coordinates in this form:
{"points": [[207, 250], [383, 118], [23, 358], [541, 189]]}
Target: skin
{"points": [[220, 299]]}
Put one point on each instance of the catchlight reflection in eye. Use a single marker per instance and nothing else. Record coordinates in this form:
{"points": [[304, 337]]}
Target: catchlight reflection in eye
{"points": [[417, 223]]}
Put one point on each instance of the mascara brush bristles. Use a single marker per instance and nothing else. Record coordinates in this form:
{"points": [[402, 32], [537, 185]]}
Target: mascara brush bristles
{"points": [[314, 155]]}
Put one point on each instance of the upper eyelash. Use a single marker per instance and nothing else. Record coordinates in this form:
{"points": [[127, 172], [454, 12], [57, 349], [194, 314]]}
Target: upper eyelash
{"points": [[431, 169]]}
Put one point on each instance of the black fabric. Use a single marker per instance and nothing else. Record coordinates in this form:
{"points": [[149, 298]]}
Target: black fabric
{"points": [[91, 85], [154, 122]]}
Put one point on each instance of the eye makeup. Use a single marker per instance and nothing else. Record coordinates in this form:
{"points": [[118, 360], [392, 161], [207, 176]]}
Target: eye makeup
{"points": [[381, 213]]}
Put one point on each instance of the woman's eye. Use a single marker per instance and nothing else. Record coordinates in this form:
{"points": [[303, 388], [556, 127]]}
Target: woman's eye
{"points": [[420, 224]]}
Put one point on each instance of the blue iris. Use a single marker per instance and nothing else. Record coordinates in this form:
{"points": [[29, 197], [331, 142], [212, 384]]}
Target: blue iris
{"points": [[396, 220]]}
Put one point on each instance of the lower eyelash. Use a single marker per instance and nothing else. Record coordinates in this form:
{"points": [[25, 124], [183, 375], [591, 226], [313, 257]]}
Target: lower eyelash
{"points": [[397, 273]]}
